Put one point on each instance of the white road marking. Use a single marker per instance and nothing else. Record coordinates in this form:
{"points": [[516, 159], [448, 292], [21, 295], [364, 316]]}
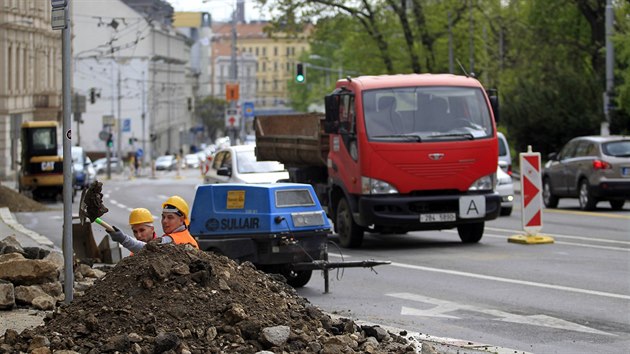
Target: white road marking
{"points": [[586, 245], [512, 281], [594, 239], [441, 307]]}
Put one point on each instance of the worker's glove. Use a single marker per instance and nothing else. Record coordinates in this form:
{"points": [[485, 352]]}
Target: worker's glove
{"points": [[116, 235]]}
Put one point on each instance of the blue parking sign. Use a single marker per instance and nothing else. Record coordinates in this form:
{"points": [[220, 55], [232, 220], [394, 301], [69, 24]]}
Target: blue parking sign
{"points": [[248, 109], [126, 125]]}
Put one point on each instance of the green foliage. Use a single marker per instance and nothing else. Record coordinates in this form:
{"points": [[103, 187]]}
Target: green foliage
{"points": [[547, 58], [211, 112]]}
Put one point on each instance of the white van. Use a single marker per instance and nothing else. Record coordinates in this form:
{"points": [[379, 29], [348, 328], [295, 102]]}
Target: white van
{"points": [[504, 154]]}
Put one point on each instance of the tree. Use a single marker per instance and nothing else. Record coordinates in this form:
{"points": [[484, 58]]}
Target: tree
{"points": [[211, 112]]}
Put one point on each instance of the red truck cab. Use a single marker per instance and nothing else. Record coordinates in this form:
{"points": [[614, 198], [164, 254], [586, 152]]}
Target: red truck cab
{"points": [[411, 152]]}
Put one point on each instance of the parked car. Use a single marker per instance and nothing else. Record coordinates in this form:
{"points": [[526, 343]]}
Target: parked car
{"points": [[90, 171], [166, 163], [504, 154], [192, 160], [505, 188], [590, 168], [115, 165], [237, 164], [79, 168]]}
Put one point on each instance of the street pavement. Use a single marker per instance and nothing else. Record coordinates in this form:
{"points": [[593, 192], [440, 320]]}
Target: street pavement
{"points": [[22, 319]]}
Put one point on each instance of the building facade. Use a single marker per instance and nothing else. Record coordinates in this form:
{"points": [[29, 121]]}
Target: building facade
{"points": [[274, 58], [30, 73], [136, 68]]}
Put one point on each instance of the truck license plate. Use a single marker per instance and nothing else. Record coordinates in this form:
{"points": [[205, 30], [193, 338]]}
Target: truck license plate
{"points": [[625, 171], [437, 217]]}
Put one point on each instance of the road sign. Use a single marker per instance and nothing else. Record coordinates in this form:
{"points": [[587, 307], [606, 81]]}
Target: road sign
{"points": [[248, 110], [139, 152], [231, 91], [109, 120], [232, 118], [78, 103], [103, 135], [531, 196], [58, 18], [58, 3], [126, 127]]}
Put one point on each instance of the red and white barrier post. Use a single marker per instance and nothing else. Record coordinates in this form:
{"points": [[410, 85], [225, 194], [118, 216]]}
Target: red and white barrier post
{"points": [[531, 199]]}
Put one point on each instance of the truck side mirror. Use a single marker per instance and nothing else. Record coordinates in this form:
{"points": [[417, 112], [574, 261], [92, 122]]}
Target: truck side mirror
{"points": [[493, 95]]}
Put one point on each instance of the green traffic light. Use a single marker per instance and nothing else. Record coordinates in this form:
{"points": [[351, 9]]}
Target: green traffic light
{"points": [[299, 78]]}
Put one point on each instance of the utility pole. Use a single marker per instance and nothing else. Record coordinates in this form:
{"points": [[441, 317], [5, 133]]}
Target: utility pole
{"points": [[144, 115], [61, 21], [234, 71], [610, 64], [120, 120]]}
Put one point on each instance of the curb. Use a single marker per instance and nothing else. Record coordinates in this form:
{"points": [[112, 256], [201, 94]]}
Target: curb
{"points": [[7, 218], [440, 345]]}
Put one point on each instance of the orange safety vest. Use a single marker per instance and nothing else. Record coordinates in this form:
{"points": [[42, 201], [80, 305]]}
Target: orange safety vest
{"points": [[183, 237]]}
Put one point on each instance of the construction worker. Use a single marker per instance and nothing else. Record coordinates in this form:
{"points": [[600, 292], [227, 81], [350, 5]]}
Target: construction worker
{"points": [[141, 222], [174, 224], [175, 221]]}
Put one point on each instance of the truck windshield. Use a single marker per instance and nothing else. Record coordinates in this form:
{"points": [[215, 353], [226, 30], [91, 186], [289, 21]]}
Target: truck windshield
{"points": [[428, 113]]}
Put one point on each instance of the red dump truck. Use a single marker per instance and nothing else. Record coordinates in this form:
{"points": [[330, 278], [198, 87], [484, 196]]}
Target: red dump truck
{"points": [[395, 153]]}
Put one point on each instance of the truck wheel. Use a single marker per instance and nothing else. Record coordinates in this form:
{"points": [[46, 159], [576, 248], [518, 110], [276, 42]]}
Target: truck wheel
{"points": [[297, 278], [470, 233], [350, 234]]}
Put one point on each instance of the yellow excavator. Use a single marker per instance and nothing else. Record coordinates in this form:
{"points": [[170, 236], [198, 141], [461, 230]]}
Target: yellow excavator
{"points": [[41, 171]]}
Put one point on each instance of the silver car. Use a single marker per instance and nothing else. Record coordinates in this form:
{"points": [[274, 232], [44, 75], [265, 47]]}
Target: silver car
{"points": [[590, 168]]}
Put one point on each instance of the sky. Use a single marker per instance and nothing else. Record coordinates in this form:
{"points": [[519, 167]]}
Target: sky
{"points": [[220, 10]]}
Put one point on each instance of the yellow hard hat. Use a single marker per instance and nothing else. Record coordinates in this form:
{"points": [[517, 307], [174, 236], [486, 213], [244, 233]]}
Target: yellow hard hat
{"points": [[179, 203], [140, 216]]}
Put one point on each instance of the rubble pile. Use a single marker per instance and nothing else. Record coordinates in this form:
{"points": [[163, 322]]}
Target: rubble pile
{"points": [[31, 277], [175, 299]]}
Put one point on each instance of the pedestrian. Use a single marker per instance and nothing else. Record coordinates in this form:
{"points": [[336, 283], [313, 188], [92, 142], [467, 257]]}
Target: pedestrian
{"points": [[174, 225]]}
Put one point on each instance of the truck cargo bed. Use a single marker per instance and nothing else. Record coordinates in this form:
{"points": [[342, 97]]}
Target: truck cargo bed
{"points": [[295, 140]]}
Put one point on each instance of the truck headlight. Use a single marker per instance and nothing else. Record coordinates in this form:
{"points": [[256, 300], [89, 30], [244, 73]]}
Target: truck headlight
{"points": [[485, 183], [307, 219], [375, 186]]}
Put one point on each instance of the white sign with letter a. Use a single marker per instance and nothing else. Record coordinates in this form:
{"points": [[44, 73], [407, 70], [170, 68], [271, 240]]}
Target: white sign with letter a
{"points": [[472, 206]]}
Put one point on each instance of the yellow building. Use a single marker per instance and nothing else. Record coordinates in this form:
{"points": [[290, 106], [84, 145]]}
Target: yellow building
{"points": [[275, 60]]}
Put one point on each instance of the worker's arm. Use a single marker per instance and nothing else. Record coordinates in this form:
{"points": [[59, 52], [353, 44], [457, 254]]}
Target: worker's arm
{"points": [[130, 243]]}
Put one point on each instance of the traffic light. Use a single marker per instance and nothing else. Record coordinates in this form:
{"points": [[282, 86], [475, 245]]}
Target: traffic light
{"points": [[92, 96], [153, 137], [110, 140], [300, 77]]}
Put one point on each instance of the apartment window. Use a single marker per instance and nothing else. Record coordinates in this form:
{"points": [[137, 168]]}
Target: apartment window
{"points": [[288, 51], [275, 66], [288, 67], [275, 51], [275, 85], [264, 51], [264, 66], [256, 51], [10, 67]]}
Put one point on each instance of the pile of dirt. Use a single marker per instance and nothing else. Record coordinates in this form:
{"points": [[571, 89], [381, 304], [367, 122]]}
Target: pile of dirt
{"points": [[17, 202], [175, 299]]}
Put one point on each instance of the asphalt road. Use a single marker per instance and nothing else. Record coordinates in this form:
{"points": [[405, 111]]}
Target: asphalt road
{"points": [[572, 296]]}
